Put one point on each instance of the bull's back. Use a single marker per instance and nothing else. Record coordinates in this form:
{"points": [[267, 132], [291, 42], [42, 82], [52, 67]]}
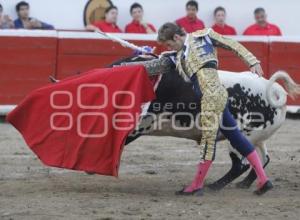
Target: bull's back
{"points": [[249, 105]]}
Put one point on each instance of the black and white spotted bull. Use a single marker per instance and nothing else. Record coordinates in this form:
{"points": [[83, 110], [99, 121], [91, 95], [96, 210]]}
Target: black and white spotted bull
{"points": [[258, 105]]}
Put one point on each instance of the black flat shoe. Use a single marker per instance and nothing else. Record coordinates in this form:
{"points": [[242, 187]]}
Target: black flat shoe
{"points": [[265, 188], [197, 192]]}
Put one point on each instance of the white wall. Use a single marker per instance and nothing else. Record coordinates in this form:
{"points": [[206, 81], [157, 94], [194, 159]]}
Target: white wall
{"points": [[68, 14]]}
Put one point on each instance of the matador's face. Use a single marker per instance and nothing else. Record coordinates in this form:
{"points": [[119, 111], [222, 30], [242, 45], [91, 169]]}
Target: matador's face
{"points": [[175, 44]]}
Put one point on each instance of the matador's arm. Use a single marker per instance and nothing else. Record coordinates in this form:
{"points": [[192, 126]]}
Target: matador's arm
{"points": [[230, 44], [156, 66]]}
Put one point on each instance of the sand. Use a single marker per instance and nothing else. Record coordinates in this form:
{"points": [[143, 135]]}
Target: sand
{"points": [[152, 169]]}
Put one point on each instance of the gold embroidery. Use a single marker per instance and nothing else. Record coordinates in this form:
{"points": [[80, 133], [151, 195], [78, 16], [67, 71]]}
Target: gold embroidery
{"points": [[234, 46], [154, 67], [202, 33], [214, 95], [197, 56], [213, 103], [180, 67]]}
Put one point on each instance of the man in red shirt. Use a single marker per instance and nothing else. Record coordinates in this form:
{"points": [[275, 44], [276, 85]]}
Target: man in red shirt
{"points": [[220, 26], [138, 25], [262, 26], [110, 22], [190, 23]]}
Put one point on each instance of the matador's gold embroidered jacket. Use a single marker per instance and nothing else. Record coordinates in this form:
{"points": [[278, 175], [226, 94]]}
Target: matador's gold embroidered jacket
{"points": [[199, 49]]}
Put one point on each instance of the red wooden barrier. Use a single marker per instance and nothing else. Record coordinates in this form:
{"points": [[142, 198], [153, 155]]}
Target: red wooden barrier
{"points": [[25, 63], [285, 55], [229, 61], [27, 58], [79, 52]]}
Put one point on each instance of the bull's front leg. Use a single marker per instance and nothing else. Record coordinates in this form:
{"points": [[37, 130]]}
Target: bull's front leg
{"points": [[237, 169]]}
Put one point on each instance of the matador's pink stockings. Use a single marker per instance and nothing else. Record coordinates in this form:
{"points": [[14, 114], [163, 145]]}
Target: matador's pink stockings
{"points": [[202, 169], [256, 164]]}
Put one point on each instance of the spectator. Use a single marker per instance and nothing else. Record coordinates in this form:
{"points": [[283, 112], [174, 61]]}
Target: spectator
{"points": [[190, 23], [262, 27], [110, 22], [220, 26], [26, 22], [138, 25], [5, 21]]}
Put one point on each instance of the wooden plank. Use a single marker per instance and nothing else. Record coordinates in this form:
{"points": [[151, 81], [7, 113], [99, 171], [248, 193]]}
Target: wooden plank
{"points": [[26, 63]]}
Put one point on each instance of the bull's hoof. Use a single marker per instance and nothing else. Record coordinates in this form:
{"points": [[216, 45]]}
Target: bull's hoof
{"points": [[243, 185], [247, 182], [197, 192], [236, 170], [265, 188]]}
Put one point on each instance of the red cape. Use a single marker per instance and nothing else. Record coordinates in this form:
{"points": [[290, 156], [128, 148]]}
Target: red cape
{"points": [[76, 123]]}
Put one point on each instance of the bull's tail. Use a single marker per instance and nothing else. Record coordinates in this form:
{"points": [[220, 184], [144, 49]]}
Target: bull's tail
{"points": [[277, 97]]}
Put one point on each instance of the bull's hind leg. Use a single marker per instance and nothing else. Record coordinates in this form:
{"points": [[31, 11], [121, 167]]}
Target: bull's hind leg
{"points": [[251, 177], [237, 169]]}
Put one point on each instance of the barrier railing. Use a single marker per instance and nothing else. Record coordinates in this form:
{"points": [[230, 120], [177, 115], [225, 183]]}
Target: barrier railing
{"points": [[27, 58]]}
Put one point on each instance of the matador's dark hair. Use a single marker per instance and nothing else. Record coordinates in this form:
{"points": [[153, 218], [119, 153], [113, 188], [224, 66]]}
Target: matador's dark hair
{"points": [[168, 30]]}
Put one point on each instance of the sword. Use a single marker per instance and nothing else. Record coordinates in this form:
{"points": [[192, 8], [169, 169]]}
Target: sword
{"points": [[124, 43]]}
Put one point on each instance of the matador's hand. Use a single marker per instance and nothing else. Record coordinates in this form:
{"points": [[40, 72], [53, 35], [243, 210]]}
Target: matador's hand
{"points": [[256, 69]]}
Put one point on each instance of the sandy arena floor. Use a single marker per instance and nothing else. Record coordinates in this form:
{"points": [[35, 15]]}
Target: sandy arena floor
{"points": [[153, 168]]}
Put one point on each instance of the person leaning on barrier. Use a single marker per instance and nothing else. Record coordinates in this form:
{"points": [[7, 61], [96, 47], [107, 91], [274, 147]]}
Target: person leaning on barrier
{"points": [[138, 24], [5, 21], [24, 21], [109, 24], [190, 23], [220, 25], [262, 26]]}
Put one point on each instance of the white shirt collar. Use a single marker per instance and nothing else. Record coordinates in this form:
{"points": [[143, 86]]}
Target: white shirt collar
{"points": [[186, 44]]}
